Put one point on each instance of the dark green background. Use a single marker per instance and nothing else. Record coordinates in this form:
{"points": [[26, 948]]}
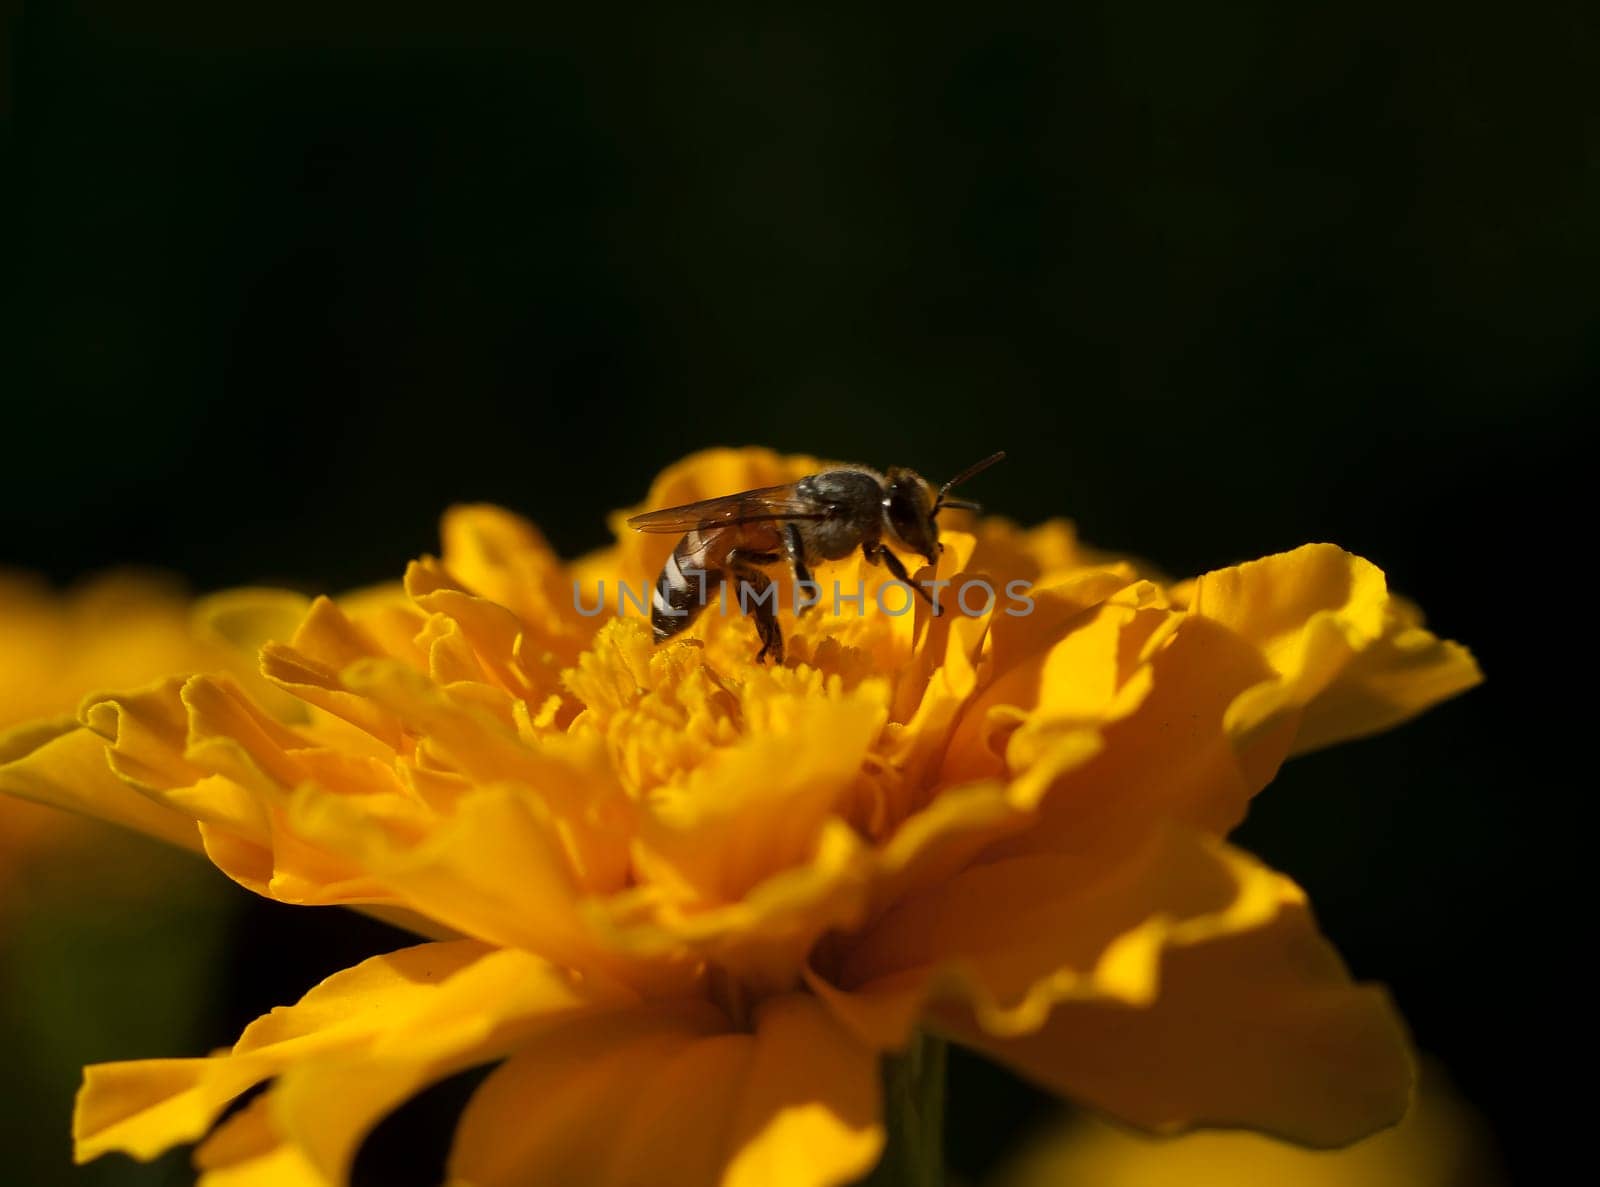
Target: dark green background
{"points": [[1223, 279]]}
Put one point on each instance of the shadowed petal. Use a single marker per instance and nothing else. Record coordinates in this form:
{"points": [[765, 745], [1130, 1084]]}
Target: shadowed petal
{"points": [[1260, 1030], [671, 1098], [1182, 985]]}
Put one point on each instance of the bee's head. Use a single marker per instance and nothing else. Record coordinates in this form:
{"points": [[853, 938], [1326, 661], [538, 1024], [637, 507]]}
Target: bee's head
{"points": [[910, 509]]}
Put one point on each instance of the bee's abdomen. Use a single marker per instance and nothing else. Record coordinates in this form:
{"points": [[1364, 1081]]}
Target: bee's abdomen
{"points": [[682, 590]]}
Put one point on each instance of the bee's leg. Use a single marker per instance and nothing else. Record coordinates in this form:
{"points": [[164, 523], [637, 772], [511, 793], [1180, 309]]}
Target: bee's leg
{"points": [[795, 549], [758, 597], [900, 574]]}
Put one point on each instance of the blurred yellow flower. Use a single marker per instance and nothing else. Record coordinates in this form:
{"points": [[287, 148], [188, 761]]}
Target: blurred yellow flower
{"points": [[120, 630], [1439, 1144], [689, 900], [115, 631]]}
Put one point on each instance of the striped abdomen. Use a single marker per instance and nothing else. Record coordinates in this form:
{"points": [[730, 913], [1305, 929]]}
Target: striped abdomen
{"points": [[684, 587]]}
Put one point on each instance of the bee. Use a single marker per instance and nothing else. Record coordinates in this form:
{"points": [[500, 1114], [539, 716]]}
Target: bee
{"points": [[821, 517]]}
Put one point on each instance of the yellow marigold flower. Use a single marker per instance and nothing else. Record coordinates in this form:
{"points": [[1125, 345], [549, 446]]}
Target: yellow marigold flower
{"points": [[689, 900], [1437, 1145]]}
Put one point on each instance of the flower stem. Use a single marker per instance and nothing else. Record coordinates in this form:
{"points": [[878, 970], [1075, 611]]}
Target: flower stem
{"points": [[913, 1084]]}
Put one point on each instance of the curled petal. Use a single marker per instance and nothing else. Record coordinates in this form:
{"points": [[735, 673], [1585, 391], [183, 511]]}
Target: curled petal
{"points": [[1348, 658]]}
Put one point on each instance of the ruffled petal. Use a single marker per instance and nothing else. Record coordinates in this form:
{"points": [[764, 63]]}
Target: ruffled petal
{"points": [[1347, 658], [1167, 754], [671, 1097], [761, 937], [1199, 707], [202, 748], [1014, 937], [494, 869], [759, 805]]}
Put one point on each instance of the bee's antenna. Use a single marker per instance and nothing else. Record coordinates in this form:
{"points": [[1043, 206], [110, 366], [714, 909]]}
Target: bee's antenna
{"points": [[971, 471]]}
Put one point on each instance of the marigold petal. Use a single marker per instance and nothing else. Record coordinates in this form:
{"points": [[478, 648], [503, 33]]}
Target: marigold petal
{"points": [[1068, 662], [1170, 754], [1017, 936], [325, 1103], [553, 1112], [62, 764], [1394, 679], [281, 1166], [245, 618], [145, 1107], [349, 1051], [810, 1113], [203, 748], [762, 937], [1349, 658], [503, 558], [146, 731], [494, 869], [884, 1015], [315, 683], [961, 822], [246, 1150], [670, 1098], [483, 545], [1045, 555], [1258, 1029], [759, 805], [1029, 931], [242, 621]]}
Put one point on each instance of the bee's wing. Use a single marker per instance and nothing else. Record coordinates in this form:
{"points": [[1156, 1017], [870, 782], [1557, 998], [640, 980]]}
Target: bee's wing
{"points": [[763, 505]]}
